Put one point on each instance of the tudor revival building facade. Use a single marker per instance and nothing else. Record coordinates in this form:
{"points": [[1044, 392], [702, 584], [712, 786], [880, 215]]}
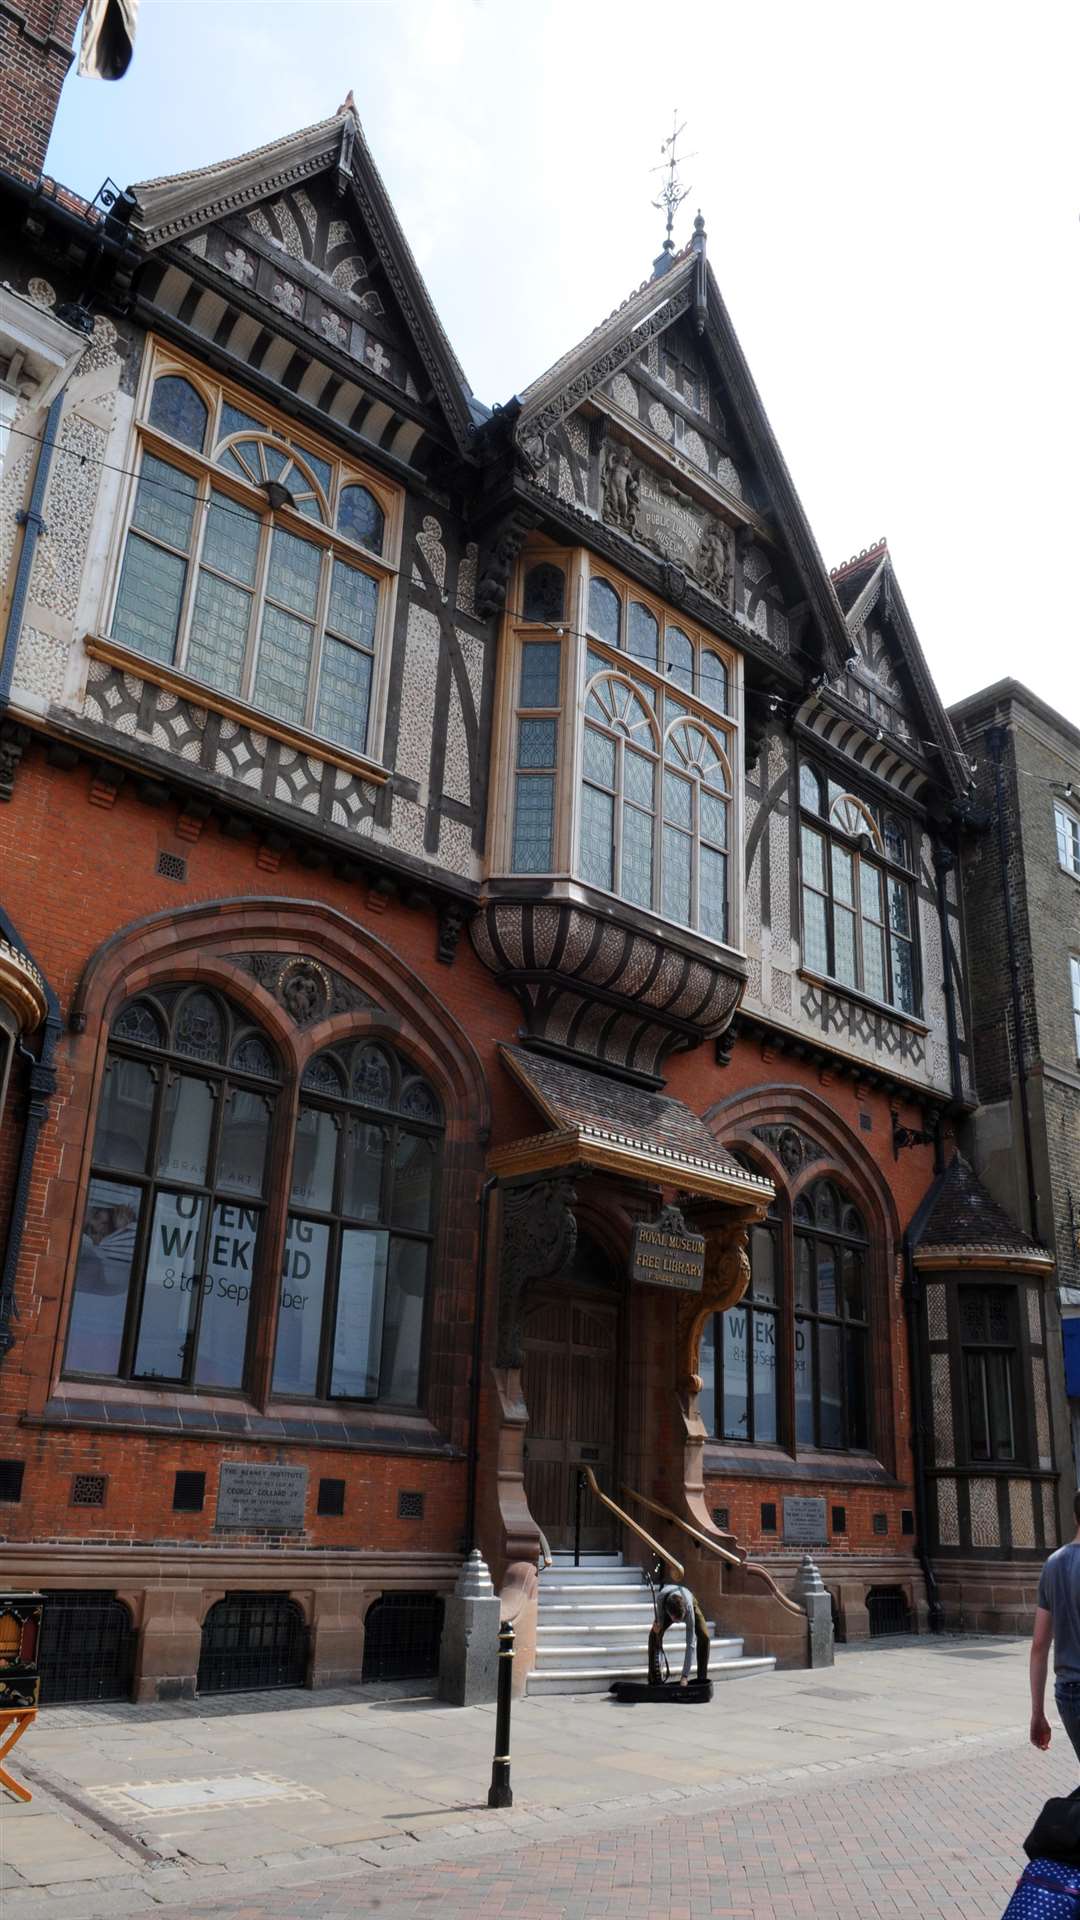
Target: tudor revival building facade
{"points": [[434, 842]]}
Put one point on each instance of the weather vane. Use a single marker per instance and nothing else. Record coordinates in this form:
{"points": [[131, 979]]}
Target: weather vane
{"points": [[673, 193]]}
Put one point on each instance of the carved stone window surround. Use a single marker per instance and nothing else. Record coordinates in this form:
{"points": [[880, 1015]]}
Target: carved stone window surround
{"points": [[113, 654]]}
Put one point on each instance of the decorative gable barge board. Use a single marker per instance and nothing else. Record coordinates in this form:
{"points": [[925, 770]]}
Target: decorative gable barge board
{"points": [[335, 146], [69, 740]]}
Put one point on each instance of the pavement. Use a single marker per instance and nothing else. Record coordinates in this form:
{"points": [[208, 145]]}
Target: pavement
{"points": [[898, 1781]]}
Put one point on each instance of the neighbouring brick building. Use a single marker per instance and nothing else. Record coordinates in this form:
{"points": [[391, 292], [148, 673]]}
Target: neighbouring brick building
{"points": [[1022, 888], [436, 843]]}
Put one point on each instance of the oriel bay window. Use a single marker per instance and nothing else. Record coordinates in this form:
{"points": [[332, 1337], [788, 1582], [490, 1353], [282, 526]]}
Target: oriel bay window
{"points": [[358, 1244], [858, 906], [174, 1274], [255, 563], [789, 1364]]}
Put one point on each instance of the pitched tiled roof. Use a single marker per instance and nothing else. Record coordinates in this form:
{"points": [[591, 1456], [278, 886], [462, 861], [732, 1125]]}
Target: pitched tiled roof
{"points": [[964, 1216]]}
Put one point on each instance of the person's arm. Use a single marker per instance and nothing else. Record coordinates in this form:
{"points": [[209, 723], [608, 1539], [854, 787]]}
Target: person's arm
{"points": [[1041, 1638], [688, 1656]]}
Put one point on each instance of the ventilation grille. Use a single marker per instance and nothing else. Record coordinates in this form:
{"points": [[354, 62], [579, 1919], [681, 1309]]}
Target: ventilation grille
{"points": [[331, 1496], [189, 1492], [881, 1523], [11, 1478], [172, 866], [839, 1519], [410, 1506], [768, 1516], [88, 1489], [721, 1515]]}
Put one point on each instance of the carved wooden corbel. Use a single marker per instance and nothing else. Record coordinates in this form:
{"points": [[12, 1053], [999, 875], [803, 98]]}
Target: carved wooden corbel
{"points": [[498, 554], [539, 1240]]}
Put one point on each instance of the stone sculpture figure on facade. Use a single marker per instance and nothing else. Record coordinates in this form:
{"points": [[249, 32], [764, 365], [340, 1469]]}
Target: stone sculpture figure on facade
{"points": [[620, 487]]}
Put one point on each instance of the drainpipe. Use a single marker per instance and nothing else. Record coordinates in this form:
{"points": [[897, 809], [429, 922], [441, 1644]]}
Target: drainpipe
{"points": [[33, 527], [477, 1360], [913, 1297], [995, 741]]}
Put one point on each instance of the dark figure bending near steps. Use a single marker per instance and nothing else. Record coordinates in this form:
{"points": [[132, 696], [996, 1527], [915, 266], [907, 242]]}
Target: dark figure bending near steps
{"points": [[675, 1606]]}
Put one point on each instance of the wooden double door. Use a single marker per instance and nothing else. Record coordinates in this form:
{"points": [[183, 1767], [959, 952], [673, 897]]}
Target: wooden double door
{"points": [[570, 1383]]}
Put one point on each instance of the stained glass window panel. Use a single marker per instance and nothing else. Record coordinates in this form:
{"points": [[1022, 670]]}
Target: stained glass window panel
{"points": [[179, 411], [605, 612], [147, 615], [233, 421], [843, 876], [899, 908], [200, 1030], [643, 634], [219, 631], [534, 817], [361, 518], [714, 681], [165, 502], [545, 589], [903, 975], [815, 932], [874, 960], [870, 890], [537, 740], [676, 883], [231, 540], [810, 791], [281, 677], [540, 661], [679, 659], [637, 857], [323, 472], [639, 778], [678, 800], [714, 819], [344, 694], [813, 858], [294, 572], [713, 907], [597, 837], [599, 757], [845, 966], [354, 601]]}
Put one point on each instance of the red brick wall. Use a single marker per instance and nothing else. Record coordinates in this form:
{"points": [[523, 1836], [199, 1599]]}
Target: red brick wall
{"points": [[35, 54], [74, 875]]}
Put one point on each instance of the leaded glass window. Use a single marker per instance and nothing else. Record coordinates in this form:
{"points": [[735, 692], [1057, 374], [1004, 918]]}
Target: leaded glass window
{"points": [[224, 582], [858, 908], [544, 593], [988, 1342], [831, 1328], [177, 1195], [358, 1244], [536, 756], [681, 659]]}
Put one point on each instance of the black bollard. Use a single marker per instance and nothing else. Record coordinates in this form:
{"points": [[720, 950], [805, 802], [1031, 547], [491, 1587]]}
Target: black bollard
{"points": [[499, 1794]]}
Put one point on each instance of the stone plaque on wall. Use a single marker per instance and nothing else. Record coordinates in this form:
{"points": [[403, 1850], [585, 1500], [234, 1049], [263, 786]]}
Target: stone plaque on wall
{"points": [[664, 1254], [252, 1496], [804, 1521]]}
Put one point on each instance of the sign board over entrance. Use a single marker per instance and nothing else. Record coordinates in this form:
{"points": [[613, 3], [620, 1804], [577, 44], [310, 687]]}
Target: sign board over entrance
{"points": [[251, 1496], [664, 1254], [804, 1521]]}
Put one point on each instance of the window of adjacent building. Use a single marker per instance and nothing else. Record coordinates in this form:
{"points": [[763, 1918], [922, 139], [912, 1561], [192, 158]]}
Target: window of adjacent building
{"points": [[172, 1268], [254, 562], [358, 1243], [177, 1195], [988, 1343], [1067, 828], [858, 903], [807, 1298], [1074, 978]]}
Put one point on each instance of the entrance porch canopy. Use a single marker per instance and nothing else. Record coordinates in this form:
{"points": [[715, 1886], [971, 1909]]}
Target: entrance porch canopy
{"points": [[598, 1121]]}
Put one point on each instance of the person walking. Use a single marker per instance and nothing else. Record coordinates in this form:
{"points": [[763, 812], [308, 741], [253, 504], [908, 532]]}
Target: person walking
{"points": [[1057, 1620]]}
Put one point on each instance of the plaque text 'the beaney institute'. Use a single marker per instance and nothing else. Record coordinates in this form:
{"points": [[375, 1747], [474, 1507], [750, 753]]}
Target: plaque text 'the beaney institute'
{"points": [[253, 1496]]}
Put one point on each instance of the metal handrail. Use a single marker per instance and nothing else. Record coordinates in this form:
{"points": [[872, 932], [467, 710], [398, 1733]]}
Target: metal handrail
{"points": [[661, 1552], [713, 1546]]}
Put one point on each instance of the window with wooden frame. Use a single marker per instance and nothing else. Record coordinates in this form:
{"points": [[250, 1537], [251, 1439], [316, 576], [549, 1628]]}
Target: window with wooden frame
{"points": [[173, 1266], [740, 1348], [659, 746], [988, 1341], [255, 560], [1074, 982], [858, 897], [358, 1243], [1067, 831]]}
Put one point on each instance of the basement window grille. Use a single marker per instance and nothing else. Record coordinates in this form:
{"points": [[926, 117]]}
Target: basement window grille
{"points": [[253, 1642], [410, 1506], [888, 1611], [88, 1489], [172, 866], [87, 1648], [401, 1637], [11, 1479]]}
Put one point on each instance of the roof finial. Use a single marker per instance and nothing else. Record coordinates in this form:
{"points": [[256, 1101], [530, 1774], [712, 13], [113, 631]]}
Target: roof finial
{"points": [[348, 105], [672, 193]]}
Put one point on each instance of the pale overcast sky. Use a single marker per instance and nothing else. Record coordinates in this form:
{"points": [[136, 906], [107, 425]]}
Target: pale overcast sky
{"points": [[891, 198]]}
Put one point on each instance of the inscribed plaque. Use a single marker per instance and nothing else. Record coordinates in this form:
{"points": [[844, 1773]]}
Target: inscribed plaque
{"points": [[253, 1496], [804, 1521]]}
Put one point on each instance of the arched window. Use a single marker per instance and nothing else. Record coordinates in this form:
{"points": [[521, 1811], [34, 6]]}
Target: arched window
{"points": [[643, 634], [697, 802], [358, 1243], [221, 579], [605, 612], [831, 1332], [177, 1194], [858, 910], [679, 662], [544, 593]]}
